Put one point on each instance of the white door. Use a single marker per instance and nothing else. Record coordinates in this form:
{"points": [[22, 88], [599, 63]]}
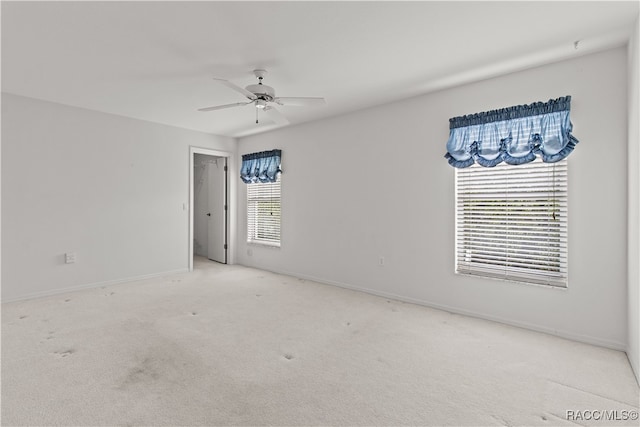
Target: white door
{"points": [[217, 250]]}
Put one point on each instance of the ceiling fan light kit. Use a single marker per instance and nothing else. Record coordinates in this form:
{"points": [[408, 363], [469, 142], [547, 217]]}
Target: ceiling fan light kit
{"points": [[261, 95]]}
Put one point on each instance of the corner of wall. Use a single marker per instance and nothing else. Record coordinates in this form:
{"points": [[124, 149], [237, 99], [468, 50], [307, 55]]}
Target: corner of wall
{"points": [[633, 243], [0, 200]]}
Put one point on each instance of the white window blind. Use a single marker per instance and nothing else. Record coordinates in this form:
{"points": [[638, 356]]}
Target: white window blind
{"points": [[511, 222], [263, 213]]}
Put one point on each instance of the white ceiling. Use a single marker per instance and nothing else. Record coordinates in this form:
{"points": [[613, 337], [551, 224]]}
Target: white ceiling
{"points": [[154, 60]]}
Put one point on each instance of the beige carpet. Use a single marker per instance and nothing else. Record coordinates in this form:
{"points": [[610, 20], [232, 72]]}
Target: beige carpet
{"points": [[229, 345]]}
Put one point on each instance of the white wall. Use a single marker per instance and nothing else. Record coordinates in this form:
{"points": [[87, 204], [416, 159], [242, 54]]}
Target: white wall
{"points": [[375, 183], [109, 188], [633, 350]]}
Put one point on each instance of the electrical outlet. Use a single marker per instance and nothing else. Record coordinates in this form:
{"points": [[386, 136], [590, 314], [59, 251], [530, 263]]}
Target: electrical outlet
{"points": [[70, 257], [381, 261]]}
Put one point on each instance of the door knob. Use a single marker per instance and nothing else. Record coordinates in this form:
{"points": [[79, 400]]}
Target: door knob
{"points": [[209, 214]]}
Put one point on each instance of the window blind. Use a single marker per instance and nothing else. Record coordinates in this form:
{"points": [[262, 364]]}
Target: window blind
{"points": [[511, 222], [263, 212]]}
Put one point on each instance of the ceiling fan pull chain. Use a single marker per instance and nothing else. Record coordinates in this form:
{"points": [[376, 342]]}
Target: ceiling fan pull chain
{"points": [[256, 115]]}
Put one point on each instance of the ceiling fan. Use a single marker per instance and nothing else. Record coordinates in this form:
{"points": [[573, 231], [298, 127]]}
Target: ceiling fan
{"points": [[262, 96]]}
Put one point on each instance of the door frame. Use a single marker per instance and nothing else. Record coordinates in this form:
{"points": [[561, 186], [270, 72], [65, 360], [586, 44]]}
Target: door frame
{"points": [[231, 202]]}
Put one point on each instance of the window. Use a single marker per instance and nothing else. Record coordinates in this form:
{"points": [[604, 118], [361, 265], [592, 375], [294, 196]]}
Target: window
{"points": [[263, 212], [511, 222]]}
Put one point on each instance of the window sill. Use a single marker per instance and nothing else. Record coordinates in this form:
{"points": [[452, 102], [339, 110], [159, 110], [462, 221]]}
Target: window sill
{"points": [[512, 280], [264, 244]]}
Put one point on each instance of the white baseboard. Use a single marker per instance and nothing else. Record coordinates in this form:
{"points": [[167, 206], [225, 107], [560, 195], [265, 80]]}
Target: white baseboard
{"points": [[59, 291], [614, 345]]}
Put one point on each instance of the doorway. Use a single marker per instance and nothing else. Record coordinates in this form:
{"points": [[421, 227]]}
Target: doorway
{"points": [[209, 207], [209, 219]]}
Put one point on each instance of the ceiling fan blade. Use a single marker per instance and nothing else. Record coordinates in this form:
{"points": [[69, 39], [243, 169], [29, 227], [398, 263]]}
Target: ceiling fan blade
{"points": [[220, 107], [276, 116], [299, 102], [238, 89]]}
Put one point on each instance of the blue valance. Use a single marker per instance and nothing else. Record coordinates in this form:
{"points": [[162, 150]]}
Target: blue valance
{"points": [[261, 167], [513, 135]]}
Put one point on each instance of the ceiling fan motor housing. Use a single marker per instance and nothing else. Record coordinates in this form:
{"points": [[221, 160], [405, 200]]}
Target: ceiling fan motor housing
{"points": [[262, 91]]}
